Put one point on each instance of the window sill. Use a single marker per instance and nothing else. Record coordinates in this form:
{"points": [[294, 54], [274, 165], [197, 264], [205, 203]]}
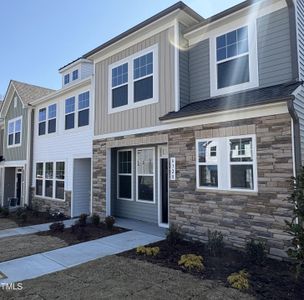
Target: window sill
{"points": [[125, 199], [227, 192], [146, 201], [49, 198], [13, 146], [132, 105]]}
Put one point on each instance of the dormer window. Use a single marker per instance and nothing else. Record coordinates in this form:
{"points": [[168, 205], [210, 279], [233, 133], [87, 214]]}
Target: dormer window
{"points": [[75, 75], [234, 60], [66, 78]]}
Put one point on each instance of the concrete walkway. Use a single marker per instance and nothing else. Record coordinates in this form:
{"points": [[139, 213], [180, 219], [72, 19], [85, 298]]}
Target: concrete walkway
{"points": [[60, 259], [31, 229]]}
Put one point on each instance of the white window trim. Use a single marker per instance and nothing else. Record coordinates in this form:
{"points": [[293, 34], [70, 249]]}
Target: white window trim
{"points": [[223, 164], [253, 59], [43, 179], [137, 175], [78, 110], [47, 120], [69, 113], [125, 174], [130, 59], [7, 134]]}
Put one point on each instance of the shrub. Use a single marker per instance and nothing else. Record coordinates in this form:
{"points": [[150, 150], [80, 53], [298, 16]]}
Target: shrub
{"points": [[192, 262], [110, 221], [57, 227], [83, 220], [149, 251], [215, 244], [5, 212], [19, 211], [23, 217], [296, 225], [239, 280], [174, 235], [255, 251], [95, 219], [74, 228]]}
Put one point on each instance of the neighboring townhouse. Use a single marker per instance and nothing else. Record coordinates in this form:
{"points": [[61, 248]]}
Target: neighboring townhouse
{"points": [[16, 115], [62, 144], [198, 122]]}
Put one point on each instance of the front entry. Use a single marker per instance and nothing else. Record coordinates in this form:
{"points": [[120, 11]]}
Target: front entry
{"points": [[18, 186], [163, 186]]}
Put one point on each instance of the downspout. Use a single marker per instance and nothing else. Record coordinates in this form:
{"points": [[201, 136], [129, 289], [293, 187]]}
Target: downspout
{"points": [[296, 137]]}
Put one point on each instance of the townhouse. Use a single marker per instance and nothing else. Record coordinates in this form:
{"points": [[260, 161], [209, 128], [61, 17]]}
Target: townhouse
{"points": [[179, 120]]}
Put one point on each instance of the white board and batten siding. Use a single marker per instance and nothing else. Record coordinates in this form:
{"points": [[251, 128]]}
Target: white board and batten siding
{"points": [[63, 145]]}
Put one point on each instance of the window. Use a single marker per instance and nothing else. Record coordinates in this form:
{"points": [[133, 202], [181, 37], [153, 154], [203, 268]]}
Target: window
{"points": [[83, 109], [52, 118], [66, 78], [232, 52], [233, 60], [70, 113], [227, 163], [124, 178], [145, 174], [14, 132], [75, 74], [143, 77], [39, 179], [47, 119], [120, 85], [134, 80], [42, 121], [208, 164], [50, 179]]}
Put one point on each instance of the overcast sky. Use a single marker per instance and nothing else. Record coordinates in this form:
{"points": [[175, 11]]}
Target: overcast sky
{"points": [[37, 37]]}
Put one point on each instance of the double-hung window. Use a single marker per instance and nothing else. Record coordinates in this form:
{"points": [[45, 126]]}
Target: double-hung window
{"points": [[14, 132], [66, 78], [47, 119], [124, 176], [83, 109], [145, 169], [70, 113], [120, 85], [50, 179], [75, 74], [227, 163], [134, 80]]}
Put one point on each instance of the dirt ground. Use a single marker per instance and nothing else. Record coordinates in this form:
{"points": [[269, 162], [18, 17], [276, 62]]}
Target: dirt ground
{"points": [[24, 245], [7, 223], [117, 277]]}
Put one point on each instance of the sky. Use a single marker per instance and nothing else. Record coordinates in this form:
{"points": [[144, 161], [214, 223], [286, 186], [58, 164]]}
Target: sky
{"points": [[37, 37]]}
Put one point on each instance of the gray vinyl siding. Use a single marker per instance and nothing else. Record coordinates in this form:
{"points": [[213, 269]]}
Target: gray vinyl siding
{"points": [[299, 107], [274, 48], [300, 36], [1, 141], [199, 71], [132, 209], [145, 116], [184, 77], [16, 153]]}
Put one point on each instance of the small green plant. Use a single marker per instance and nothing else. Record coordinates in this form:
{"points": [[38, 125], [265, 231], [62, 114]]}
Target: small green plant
{"points": [[23, 217], [57, 227], [110, 221], [174, 235], [215, 244], [239, 280], [191, 262], [296, 225], [5, 212], [83, 220], [149, 251], [95, 219], [256, 252]]}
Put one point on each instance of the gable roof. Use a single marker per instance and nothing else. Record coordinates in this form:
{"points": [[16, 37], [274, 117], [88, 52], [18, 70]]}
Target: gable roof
{"points": [[259, 96], [177, 6], [26, 92]]}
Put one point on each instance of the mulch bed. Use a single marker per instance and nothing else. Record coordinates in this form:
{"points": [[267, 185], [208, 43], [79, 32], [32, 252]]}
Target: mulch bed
{"points": [[33, 218], [271, 280], [83, 234]]}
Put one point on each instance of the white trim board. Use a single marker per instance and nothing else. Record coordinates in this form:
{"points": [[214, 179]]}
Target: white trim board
{"points": [[217, 117]]}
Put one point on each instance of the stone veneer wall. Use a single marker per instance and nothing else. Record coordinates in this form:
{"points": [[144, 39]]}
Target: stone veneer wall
{"points": [[43, 204], [238, 215]]}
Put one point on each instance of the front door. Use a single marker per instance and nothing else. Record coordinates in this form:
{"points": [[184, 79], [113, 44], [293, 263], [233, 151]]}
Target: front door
{"points": [[163, 185], [18, 187]]}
